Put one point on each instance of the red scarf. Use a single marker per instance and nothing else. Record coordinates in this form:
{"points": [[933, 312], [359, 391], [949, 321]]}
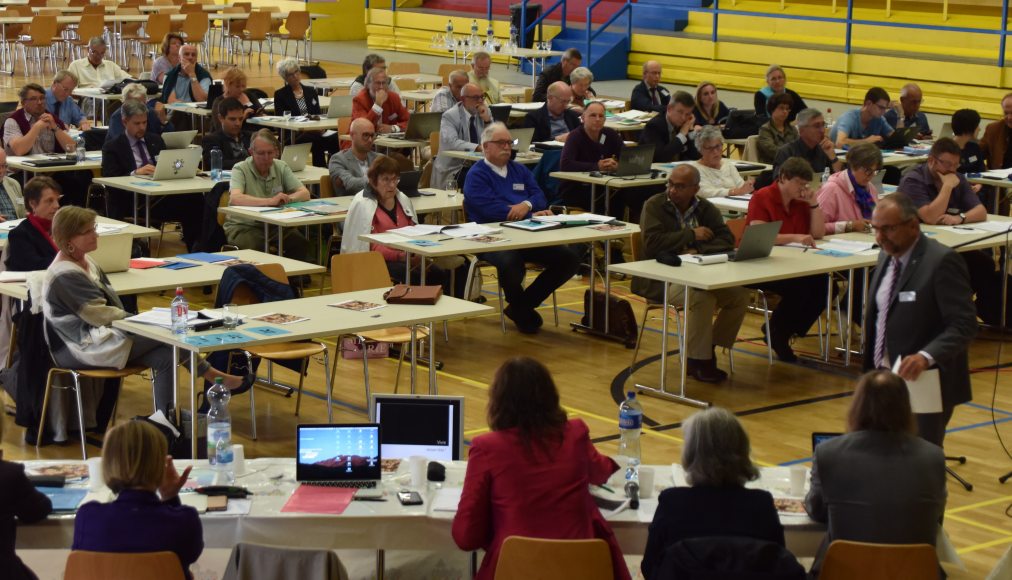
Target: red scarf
{"points": [[45, 227]]}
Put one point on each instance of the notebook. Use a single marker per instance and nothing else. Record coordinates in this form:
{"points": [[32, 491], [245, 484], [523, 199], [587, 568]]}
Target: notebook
{"points": [[522, 139], [113, 252], [409, 183], [340, 455], [175, 164], [900, 138], [635, 160], [821, 437], [296, 155]]}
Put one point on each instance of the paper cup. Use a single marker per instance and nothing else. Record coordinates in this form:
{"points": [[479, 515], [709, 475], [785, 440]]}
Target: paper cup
{"points": [[95, 480], [646, 482], [798, 475], [417, 465], [238, 459]]}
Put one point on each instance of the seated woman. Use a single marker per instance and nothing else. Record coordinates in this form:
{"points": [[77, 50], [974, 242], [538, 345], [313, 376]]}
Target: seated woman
{"points": [[158, 116], [790, 200], [30, 244], [715, 458], [579, 82], [709, 109], [136, 465], [529, 476], [718, 177], [171, 44], [20, 504], [299, 99], [381, 207], [776, 83], [965, 129], [879, 482], [80, 305], [848, 197], [777, 131], [234, 85]]}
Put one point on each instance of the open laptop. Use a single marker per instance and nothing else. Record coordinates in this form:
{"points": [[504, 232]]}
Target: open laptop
{"points": [[635, 160], [340, 106], [522, 139], [428, 425], [900, 138], [500, 113], [113, 252], [216, 90], [756, 242], [409, 183], [178, 139], [821, 437], [175, 164], [340, 455], [297, 155], [420, 125]]}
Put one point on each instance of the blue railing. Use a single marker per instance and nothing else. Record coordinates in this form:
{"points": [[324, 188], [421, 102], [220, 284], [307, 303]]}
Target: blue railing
{"points": [[850, 21], [525, 28], [592, 34]]}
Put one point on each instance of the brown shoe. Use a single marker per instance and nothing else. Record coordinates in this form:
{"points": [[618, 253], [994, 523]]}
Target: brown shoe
{"points": [[704, 370]]}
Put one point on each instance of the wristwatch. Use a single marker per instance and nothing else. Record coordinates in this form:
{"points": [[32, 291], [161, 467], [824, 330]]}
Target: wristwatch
{"points": [[962, 218]]}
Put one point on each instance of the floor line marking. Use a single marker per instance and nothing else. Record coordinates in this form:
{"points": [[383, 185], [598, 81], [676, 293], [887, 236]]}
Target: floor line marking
{"points": [[984, 545], [971, 506], [976, 524]]}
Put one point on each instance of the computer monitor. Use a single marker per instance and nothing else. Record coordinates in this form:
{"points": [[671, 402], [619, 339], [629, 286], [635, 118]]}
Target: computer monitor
{"points": [[426, 425]]}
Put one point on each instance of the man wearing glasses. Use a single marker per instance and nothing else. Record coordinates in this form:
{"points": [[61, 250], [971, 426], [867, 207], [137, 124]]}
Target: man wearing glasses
{"points": [[680, 221], [555, 120], [460, 129], [864, 125], [93, 70], [349, 167], [907, 111], [497, 190], [812, 145], [674, 132], [380, 105]]}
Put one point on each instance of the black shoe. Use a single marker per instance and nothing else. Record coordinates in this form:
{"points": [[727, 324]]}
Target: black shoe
{"points": [[705, 371], [247, 384], [523, 320], [781, 344]]}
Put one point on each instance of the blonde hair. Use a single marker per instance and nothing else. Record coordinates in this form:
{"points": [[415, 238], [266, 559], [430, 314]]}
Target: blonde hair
{"points": [[715, 109], [233, 76], [70, 221], [133, 456]]}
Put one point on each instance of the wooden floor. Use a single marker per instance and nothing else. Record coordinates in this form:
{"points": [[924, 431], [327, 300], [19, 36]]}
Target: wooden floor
{"points": [[780, 405]]}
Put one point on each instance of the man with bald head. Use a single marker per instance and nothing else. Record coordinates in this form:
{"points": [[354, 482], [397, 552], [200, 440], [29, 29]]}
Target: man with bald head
{"points": [[555, 120], [678, 220], [449, 95], [557, 72], [460, 130], [349, 167], [906, 112], [649, 95]]}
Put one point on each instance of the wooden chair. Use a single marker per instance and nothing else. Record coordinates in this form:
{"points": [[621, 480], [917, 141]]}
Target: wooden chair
{"points": [[407, 84], [366, 271], [41, 36], [403, 68], [233, 28], [258, 28], [863, 561], [158, 25], [82, 565], [91, 25], [297, 27], [533, 558], [195, 29], [445, 69], [14, 31], [93, 9]]}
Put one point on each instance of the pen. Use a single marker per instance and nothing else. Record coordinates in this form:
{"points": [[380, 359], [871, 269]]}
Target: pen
{"points": [[444, 239], [369, 499], [606, 488], [962, 228]]}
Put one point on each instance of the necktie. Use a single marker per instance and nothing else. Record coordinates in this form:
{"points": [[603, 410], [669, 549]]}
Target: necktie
{"points": [[56, 109], [656, 96], [474, 131], [891, 279], [144, 153]]}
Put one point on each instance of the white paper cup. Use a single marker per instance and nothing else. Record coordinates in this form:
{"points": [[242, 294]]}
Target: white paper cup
{"points": [[238, 459], [417, 466], [95, 481], [798, 475], [646, 482]]}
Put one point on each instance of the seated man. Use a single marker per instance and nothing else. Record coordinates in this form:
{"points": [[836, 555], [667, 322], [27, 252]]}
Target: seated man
{"points": [[186, 82], [381, 106], [481, 63], [864, 125], [263, 180], [649, 95], [370, 62], [460, 130], [674, 132], [449, 95], [348, 168], [158, 115], [93, 70], [497, 190], [230, 139], [682, 222], [590, 147], [557, 72], [555, 120], [62, 105], [909, 106], [812, 145], [134, 153]]}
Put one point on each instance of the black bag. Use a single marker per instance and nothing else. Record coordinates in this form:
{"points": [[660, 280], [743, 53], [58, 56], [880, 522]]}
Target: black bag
{"points": [[151, 86], [742, 123], [621, 320], [179, 447], [313, 71]]}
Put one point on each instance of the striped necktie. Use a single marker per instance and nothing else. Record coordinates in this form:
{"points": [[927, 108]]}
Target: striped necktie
{"points": [[891, 279]]}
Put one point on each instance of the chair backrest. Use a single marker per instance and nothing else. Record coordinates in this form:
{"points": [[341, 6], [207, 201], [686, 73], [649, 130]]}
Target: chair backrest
{"points": [[846, 560], [522, 558], [43, 29], [83, 565], [326, 186], [158, 26], [737, 227], [403, 68], [93, 9], [244, 295], [407, 84], [636, 243], [445, 69], [192, 9], [751, 150], [196, 24], [297, 23], [358, 271], [91, 25], [258, 25], [22, 10]]}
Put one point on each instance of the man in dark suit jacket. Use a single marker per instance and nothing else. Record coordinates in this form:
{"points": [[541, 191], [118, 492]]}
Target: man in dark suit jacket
{"points": [[928, 318], [649, 95], [674, 132], [557, 72], [556, 110], [230, 139], [134, 153]]}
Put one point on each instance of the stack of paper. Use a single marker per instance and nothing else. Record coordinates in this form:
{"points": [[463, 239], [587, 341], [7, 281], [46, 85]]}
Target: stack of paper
{"points": [[574, 218], [633, 115], [847, 246], [470, 230]]}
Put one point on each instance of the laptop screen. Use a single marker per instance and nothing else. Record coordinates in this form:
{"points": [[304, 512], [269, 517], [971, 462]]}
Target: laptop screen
{"points": [[818, 438], [429, 426], [337, 452]]}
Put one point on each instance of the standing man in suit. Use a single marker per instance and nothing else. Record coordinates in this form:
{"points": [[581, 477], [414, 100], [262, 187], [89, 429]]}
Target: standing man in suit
{"points": [[674, 132], [555, 120], [230, 138], [348, 168], [557, 72], [134, 153], [460, 129], [649, 95], [921, 310]]}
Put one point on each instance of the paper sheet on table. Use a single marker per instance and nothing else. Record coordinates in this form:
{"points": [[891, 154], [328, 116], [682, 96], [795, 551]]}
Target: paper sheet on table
{"points": [[577, 217], [311, 499], [104, 228], [446, 499], [991, 226], [962, 230], [195, 500], [470, 230], [10, 224], [925, 392], [703, 260], [846, 246], [290, 214], [527, 106], [633, 115], [11, 276], [159, 317], [997, 173]]}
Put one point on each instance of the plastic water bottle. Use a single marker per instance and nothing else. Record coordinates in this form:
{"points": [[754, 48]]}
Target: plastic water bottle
{"points": [[630, 424], [514, 37], [219, 433], [215, 164], [489, 38], [180, 312], [825, 175], [81, 149], [449, 33], [828, 119]]}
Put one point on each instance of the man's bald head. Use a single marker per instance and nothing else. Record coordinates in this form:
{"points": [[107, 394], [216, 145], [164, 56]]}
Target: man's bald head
{"points": [[362, 134], [559, 96]]}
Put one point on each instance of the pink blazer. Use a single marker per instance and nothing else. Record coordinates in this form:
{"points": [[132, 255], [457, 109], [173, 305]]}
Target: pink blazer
{"points": [[836, 197]]}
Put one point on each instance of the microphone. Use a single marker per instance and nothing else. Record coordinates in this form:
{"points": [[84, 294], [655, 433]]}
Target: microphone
{"points": [[632, 491]]}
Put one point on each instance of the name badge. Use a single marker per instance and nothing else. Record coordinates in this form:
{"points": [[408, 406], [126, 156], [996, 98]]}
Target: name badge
{"points": [[518, 187], [393, 117], [908, 296], [973, 159]]}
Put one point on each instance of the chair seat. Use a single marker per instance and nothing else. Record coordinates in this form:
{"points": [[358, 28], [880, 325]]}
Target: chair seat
{"points": [[395, 334], [288, 350], [107, 373]]}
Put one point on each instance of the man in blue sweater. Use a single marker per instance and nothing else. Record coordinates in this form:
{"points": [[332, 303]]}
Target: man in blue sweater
{"points": [[497, 190]]}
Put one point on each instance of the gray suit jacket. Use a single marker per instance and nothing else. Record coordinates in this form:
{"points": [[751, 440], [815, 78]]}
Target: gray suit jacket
{"points": [[940, 319], [875, 486], [345, 167], [454, 135]]}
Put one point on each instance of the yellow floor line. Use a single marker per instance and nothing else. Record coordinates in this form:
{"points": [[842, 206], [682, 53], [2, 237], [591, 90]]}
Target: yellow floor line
{"points": [[964, 508], [970, 522], [984, 545]]}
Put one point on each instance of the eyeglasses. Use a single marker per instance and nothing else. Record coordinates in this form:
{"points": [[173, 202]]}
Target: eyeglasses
{"points": [[868, 171], [947, 165], [501, 142], [715, 147], [681, 186], [389, 179], [887, 228], [367, 135]]}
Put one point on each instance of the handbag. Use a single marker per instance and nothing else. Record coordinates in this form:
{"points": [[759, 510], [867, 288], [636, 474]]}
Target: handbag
{"points": [[405, 294]]}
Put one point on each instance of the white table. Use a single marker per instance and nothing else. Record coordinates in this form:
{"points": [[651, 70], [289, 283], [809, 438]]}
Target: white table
{"points": [[92, 162], [323, 124], [529, 158]]}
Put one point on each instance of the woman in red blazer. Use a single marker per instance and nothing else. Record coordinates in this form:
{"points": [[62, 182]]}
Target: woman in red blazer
{"points": [[529, 476]]}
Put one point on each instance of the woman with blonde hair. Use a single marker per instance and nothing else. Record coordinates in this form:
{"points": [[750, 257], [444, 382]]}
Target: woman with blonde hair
{"points": [[710, 110], [234, 83]]}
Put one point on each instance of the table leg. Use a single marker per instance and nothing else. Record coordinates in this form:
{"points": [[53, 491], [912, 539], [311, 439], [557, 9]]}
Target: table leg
{"points": [[175, 383], [829, 317], [281, 241], [267, 238], [846, 323], [193, 407], [147, 211], [607, 284], [433, 388], [414, 356], [380, 564]]}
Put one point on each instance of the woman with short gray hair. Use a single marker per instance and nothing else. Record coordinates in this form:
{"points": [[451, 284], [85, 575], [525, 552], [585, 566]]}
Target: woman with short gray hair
{"points": [[718, 177], [579, 81], [715, 459], [300, 99], [848, 197]]}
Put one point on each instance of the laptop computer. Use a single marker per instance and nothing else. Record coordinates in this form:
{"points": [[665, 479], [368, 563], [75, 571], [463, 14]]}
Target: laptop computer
{"points": [[522, 139], [409, 183], [340, 455], [175, 164], [821, 437], [946, 130], [635, 160], [113, 252], [56, 161], [297, 155], [900, 138], [500, 113], [420, 125], [216, 90], [178, 139], [756, 242], [340, 106]]}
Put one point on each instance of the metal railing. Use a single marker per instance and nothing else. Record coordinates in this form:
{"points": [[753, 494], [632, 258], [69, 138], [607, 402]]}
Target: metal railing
{"points": [[592, 34], [525, 28]]}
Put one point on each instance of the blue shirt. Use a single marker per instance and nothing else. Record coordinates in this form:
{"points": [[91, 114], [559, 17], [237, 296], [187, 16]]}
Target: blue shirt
{"points": [[919, 119], [182, 89], [488, 196], [850, 122], [70, 113]]}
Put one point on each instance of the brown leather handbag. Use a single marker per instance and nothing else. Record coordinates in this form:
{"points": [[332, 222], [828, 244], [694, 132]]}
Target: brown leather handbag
{"points": [[405, 294]]}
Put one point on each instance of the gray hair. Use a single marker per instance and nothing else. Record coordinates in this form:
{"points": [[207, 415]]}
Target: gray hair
{"points": [[774, 68], [457, 74], [267, 136], [64, 75], [288, 66], [134, 91], [908, 87], [806, 116], [96, 41], [579, 73], [864, 156], [490, 130], [370, 61], [716, 450], [132, 109], [372, 75], [480, 55], [707, 134]]}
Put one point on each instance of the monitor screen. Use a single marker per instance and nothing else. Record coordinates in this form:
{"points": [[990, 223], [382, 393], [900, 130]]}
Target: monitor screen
{"points": [[430, 426], [337, 452]]}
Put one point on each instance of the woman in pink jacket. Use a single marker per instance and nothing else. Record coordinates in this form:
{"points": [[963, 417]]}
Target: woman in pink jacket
{"points": [[848, 197]]}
